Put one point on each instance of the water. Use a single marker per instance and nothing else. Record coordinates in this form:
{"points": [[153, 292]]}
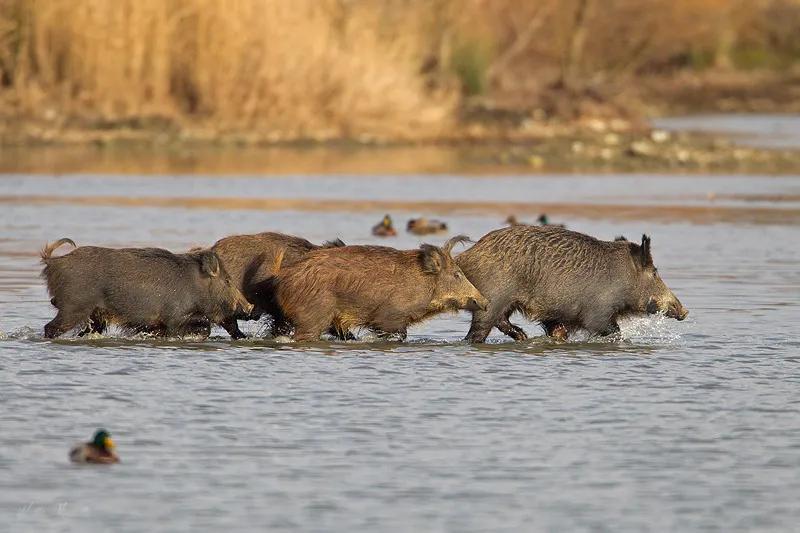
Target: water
{"points": [[682, 426], [759, 130]]}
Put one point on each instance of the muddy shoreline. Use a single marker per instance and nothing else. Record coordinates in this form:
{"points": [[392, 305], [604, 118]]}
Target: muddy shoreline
{"points": [[596, 148]]}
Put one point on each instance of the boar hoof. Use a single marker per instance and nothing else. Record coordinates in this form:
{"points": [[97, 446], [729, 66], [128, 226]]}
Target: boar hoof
{"points": [[558, 333], [515, 332]]}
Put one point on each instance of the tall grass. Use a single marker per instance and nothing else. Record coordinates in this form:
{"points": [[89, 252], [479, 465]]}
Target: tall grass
{"points": [[345, 68], [321, 67]]}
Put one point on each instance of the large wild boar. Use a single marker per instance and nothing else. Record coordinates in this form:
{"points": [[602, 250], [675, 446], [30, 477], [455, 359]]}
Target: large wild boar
{"points": [[375, 287], [141, 289], [563, 279], [250, 261]]}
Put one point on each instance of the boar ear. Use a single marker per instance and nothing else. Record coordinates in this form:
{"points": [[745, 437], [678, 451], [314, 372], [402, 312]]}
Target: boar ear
{"points": [[209, 264], [644, 252], [458, 239], [432, 259]]}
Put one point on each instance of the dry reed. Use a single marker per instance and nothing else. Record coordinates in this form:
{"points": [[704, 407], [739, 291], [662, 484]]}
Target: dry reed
{"points": [[349, 68]]}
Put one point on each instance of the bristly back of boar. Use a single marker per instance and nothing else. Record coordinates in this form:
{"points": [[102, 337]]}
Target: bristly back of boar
{"points": [[563, 279], [376, 287], [143, 289]]}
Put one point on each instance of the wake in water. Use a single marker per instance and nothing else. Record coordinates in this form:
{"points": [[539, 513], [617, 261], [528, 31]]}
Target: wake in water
{"points": [[651, 329]]}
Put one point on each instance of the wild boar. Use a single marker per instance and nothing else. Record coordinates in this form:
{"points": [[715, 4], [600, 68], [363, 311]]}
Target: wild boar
{"points": [[375, 287], [250, 261], [563, 279], [141, 289]]}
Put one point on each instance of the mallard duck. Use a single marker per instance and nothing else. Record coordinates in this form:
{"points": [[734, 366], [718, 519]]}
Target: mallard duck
{"points": [[423, 226], [544, 221], [98, 450], [385, 228]]}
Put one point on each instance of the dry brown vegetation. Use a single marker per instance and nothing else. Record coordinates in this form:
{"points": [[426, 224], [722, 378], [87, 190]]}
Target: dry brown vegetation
{"points": [[329, 69]]}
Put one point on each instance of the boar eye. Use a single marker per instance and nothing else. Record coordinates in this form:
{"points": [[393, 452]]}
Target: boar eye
{"points": [[458, 275]]}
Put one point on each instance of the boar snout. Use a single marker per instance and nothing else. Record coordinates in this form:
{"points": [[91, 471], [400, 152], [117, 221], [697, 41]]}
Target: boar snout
{"points": [[676, 310], [671, 307]]}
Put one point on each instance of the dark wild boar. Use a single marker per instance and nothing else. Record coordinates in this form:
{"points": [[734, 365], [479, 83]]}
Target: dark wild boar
{"points": [[141, 289], [250, 261], [374, 287], [563, 279]]}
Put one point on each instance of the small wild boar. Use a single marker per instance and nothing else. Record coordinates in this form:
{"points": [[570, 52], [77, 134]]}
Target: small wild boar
{"points": [[563, 279], [375, 287], [141, 289], [250, 261]]}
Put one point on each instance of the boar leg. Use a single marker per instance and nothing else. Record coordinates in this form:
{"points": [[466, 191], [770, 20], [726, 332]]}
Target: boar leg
{"points": [[304, 334], [400, 334], [231, 325], [97, 324], [484, 321], [515, 332], [610, 329], [280, 325], [310, 326], [198, 326], [601, 325], [341, 334], [480, 327], [555, 329]]}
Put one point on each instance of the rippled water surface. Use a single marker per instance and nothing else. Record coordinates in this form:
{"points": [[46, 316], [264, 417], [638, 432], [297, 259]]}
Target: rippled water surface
{"points": [[762, 130], [682, 426]]}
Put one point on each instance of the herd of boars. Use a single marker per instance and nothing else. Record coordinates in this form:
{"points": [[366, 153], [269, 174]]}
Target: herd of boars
{"points": [[562, 279]]}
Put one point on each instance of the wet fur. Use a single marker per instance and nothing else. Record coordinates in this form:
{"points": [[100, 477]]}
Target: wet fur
{"points": [[251, 262], [141, 289], [374, 287], [563, 279]]}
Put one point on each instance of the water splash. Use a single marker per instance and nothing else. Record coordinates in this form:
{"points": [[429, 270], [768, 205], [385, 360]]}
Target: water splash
{"points": [[25, 333], [651, 329]]}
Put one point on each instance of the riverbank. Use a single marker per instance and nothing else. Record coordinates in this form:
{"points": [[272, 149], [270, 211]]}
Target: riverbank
{"points": [[596, 146]]}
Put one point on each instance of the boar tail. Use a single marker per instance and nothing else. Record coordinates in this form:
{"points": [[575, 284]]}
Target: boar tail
{"points": [[458, 239], [276, 265], [48, 249]]}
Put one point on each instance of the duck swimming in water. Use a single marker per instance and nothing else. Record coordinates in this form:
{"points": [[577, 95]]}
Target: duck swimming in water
{"points": [[385, 228], [423, 226], [543, 220], [99, 450]]}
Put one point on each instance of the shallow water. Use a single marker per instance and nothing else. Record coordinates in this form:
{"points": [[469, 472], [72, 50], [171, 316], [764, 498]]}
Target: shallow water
{"points": [[684, 426], [760, 130]]}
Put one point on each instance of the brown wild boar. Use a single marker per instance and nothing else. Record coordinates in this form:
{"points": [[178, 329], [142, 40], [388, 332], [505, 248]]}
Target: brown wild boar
{"points": [[374, 287], [141, 289], [563, 279], [250, 261]]}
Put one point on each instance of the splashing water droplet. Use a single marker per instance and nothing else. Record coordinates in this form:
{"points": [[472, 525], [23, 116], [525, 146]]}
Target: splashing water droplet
{"points": [[652, 329]]}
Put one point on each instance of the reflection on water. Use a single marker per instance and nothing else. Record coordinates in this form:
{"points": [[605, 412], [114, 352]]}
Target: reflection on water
{"points": [[682, 426], [763, 131], [220, 160]]}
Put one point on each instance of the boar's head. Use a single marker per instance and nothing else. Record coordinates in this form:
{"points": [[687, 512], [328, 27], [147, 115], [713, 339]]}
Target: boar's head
{"points": [[225, 298], [451, 288], [653, 294]]}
